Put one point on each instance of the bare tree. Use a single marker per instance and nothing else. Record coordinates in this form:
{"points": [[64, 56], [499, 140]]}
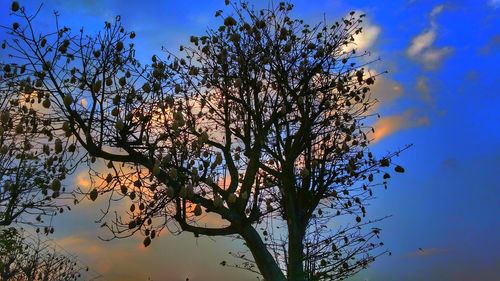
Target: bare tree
{"points": [[263, 122], [31, 258]]}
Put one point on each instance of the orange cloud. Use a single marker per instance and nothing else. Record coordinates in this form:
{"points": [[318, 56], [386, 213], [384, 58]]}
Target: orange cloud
{"points": [[89, 250], [82, 180], [389, 125]]}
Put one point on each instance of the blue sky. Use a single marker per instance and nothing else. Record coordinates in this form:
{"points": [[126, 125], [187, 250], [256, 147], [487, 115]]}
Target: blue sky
{"points": [[441, 94]]}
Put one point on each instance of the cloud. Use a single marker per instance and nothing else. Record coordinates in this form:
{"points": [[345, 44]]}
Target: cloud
{"points": [[424, 89], [421, 48], [100, 255], [494, 3], [389, 125], [386, 90], [367, 38], [427, 252], [493, 45], [437, 10]]}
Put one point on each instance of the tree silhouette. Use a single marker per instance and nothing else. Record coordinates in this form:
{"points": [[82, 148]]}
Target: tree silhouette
{"points": [[25, 257], [262, 122], [31, 171]]}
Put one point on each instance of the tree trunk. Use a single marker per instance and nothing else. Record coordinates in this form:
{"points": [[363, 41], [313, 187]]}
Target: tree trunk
{"points": [[295, 253], [264, 260]]}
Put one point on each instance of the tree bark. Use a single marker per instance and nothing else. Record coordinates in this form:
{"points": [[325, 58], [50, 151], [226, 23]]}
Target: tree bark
{"points": [[264, 260]]}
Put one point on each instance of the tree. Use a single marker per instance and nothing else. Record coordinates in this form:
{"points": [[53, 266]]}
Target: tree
{"points": [[30, 171], [263, 122], [29, 258]]}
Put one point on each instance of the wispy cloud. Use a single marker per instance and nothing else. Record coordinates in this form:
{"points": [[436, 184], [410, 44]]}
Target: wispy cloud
{"points": [[427, 252], [424, 89], [492, 46], [94, 252], [494, 3], [422, 47]]}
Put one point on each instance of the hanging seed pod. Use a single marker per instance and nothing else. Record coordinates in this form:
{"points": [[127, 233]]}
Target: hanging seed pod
{"points": [[304, 173], [46, 103], [5, 116], [146, 87], [231, 198], [46, 149], [399, 169], [122, 81], [68, 100], [172, 173], [109, 178], [229, 21], [19, 128], [56, 185], [119, 46], [197, 210], [244, 195], [177, 89], [58, 146], [384, 162], [93, 194], [237, 82], [147, 241], [156, 168], [15, 6], [66, 127], [119, 124], [217, 201], [132, 195], [170, 191], [124, 189], [218, 158], [97, 86]]}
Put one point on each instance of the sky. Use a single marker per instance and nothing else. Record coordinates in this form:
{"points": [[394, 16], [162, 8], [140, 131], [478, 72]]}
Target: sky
{"points": [[441, 94]]}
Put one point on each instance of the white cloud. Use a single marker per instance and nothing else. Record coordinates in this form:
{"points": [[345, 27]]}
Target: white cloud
{"points": [[421, 48], [421, 42], [367, 38], [433, 57]]}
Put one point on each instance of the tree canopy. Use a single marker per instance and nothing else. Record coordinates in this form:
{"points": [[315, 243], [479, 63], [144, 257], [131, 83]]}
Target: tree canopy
{"points": [[262, 123]]}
